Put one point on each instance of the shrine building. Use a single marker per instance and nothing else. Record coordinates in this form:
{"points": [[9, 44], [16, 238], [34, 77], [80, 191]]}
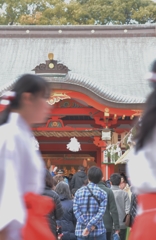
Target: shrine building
{"points": [[96, 76]]}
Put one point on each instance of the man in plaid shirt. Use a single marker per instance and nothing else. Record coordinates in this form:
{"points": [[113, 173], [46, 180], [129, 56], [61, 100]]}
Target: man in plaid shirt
{"points": [[89, 207]]}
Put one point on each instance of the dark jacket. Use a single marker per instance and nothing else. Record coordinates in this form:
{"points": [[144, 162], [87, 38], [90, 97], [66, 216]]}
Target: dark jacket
{"points": [[78, 180], [58, 212], [68, 221], [111, 214]]}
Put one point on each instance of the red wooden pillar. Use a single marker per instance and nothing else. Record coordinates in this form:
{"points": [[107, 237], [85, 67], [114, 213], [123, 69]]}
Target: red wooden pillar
{"points": [[99, 157], [110, 170]]}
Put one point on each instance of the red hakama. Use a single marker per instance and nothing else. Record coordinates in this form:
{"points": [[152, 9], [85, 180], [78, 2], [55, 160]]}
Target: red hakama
{"points": [[37, 226], [144, 227]]}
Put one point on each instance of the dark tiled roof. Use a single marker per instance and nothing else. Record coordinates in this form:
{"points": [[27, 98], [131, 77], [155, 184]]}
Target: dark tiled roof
{"points": [[107, 62]]}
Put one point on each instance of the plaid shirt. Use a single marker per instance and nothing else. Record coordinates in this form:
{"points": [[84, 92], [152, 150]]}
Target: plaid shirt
{"points": [[93, 216]]}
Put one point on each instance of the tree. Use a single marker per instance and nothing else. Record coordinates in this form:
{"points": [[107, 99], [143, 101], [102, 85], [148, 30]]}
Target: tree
{"points": [[77, 12], [140, 11], [121, 11], [12, 10], [146, 14], [58, 12]]}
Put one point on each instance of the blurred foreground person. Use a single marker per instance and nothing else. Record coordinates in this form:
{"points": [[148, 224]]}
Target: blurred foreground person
{"points": [[142, 169], [20, 198], [57, 213], [67, 222]]}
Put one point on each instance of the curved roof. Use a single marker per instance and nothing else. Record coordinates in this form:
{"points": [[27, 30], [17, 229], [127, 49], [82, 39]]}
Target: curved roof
{"points": [[109, 61]]}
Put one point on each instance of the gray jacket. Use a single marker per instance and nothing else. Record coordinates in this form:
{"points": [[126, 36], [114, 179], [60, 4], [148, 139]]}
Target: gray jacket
{"points": [[123, 204], [111, 214]]}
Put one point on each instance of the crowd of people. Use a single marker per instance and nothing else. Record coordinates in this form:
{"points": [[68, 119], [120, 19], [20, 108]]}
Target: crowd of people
{"points": [[92, 209]]}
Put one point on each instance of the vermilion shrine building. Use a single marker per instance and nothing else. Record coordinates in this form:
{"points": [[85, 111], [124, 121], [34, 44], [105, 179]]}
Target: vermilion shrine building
{"points": [[97, 83]]}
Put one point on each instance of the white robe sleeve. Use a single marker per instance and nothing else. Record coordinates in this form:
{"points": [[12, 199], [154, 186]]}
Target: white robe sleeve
{"points": [[12, 209], [141, 170]]}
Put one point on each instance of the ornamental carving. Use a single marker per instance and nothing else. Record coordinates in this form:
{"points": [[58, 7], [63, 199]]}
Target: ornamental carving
{"points": [[57, 97], [54, 124], [51, 67]]}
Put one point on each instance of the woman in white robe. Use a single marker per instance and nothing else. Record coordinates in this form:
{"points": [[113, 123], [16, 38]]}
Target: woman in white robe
{"points": [[21, 166], [142, 169]]}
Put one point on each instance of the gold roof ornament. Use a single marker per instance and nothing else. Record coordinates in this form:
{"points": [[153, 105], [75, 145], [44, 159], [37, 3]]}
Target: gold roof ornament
{"points": [[51, 68], [51, 56]]}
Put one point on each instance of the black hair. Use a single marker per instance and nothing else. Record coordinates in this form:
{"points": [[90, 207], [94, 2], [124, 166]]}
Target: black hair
{"points": [[26, 83], [95, 174], [148, 120], [124, 177], [70, 174], [81, 168], [153, 66], [49, 179], [115, 179]]}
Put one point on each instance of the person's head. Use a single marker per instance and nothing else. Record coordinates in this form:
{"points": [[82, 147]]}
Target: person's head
{"points": [[122, 183], [148, 123], [123, 178], [60, 172], [48, 179], [57, 179], [29, 98], [95, 174], [70, 176], [62, 188], [81, 168], [115, 179]]}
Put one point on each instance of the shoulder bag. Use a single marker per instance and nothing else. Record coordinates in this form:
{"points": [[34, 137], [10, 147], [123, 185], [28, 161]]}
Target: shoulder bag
{"points": [[92, 195]]}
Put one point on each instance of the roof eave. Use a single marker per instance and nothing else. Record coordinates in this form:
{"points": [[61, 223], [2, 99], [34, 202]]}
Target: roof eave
{"points": [[27, 31]]}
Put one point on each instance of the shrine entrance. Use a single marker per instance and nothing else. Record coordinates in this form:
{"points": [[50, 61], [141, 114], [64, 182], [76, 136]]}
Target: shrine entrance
{"points": [[74, 114], [70, 162], [80, 110]]}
